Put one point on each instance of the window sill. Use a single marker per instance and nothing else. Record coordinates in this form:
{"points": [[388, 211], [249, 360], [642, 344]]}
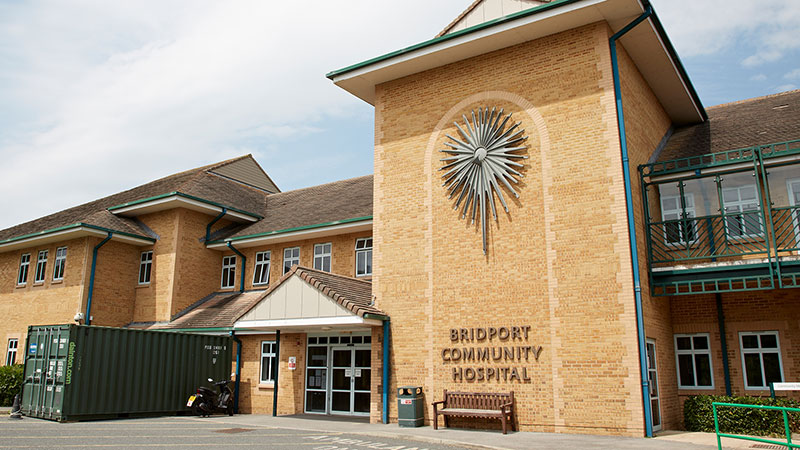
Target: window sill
{"points": [[41, 283], [261, 284], [695, 388], [57, 281], [227, 289], [142, 286], [266, 386]]}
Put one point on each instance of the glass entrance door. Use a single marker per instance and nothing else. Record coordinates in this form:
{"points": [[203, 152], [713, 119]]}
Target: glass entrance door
{"points": [[652, 375], [350, 380]]}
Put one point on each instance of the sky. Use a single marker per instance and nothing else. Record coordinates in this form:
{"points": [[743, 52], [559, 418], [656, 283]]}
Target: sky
{"points": [[97, 97]]}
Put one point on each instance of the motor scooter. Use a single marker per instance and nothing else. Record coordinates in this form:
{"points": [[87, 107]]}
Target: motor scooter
{"points": [[206, 402]]}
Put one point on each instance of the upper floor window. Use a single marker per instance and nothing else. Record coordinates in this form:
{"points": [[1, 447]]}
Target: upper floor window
{"points": [[363, 257], [228, 272], [322, 257], [24, 265], [291, 257], [145, 267], [11, 351], [742, 213], [60, 263], [761, 359], [678, 232], [261, 271], [268, 363], [41, 267], [693, 356]]}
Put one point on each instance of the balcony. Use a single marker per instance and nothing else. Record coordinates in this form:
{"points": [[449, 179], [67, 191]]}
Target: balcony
{"points": [[724, 222]]}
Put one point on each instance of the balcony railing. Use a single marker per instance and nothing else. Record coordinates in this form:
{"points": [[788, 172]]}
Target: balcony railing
{"points": [[742, 240]]}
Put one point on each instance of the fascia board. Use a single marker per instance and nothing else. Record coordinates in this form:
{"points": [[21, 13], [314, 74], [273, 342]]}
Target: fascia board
{"points": [[306, 323], [177, 200], [68, 232], [293, 235]]}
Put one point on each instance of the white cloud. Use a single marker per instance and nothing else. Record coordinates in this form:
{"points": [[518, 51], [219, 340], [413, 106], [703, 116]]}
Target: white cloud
{"points": [[710, 26], [100, 96], [786, 87], [793, 75], [759, 77]]}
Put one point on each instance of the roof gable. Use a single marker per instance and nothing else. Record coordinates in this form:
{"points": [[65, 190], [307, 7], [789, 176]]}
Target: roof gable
{"points": [[482, 11], [246, 171]]}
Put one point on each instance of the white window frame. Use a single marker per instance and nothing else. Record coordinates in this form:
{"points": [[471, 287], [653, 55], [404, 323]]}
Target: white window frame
{"points": [[364, 251], [727, 205], [11, 351], [690, 213], [271, 362], [60, 264], [322, 255], [41, 267], [262, 267], [145, 267], [24, 266], [228, 271], [759, 351], [293, 260], [694, 352]]}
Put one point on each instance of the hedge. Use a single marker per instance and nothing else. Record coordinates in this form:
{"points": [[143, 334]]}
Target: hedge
{"points": [[10, 383], [698, 415]]}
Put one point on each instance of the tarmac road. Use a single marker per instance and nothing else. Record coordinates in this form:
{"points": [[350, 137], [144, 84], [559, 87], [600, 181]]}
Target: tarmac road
{"points": [[189, 432]]}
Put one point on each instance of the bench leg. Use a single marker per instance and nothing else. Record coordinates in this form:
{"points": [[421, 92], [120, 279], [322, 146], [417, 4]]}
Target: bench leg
{"points": [[446, 422], [435, 420], [513, 420], [503, 418]]}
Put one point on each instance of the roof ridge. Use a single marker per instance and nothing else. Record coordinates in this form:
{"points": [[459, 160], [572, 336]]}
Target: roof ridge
{"points": [[331, 274], [753, 99], [321, 185], [327, 290]]}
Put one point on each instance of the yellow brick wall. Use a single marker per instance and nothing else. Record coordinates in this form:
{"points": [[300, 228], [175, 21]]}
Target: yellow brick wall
{"points": [[646, 123], [115, 283], [558, 261], [42, 304], [152, 301]]}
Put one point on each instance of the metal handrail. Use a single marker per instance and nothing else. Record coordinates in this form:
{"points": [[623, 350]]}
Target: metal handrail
{"points": [[788, 444]]}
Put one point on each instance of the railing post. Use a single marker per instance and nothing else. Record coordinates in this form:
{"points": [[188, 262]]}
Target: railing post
{"points": [[718, 181], [786, 427], [767, 205], [716, 426]]}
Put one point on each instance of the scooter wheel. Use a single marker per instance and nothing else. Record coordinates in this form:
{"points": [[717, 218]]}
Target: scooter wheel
{"points": [[198, 409], [229, 407]]}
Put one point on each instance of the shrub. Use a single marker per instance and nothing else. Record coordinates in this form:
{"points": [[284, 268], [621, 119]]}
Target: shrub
{"points": [[10, 383], [698, 415]]}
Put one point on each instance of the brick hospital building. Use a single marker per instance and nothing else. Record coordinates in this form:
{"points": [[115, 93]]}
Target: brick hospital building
{"points": [[552, 212]]}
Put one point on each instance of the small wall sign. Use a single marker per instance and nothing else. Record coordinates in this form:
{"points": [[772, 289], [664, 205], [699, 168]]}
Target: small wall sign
{"points": [[292, 362]]}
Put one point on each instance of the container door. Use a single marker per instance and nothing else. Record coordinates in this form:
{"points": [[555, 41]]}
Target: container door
{"points": [[652, 373], [45, 361], [342, 380]]}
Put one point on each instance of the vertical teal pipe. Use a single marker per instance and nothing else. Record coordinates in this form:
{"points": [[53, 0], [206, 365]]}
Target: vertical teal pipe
{"points": [[211, 224], [88, 317], [723, 340], [385, 381], [238, 371], [244, 260], [637, 284], [277, 373]]}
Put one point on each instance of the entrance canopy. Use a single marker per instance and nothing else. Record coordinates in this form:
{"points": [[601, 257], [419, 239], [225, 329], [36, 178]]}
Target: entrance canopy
{"points": [[311, 300]]}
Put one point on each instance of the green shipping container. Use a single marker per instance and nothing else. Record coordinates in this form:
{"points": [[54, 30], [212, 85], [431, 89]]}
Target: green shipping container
{"points": [[78, 372]]}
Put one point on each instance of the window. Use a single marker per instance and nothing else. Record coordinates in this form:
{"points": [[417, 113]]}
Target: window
{"points": [[261, 271], [693, 356], [363, 257], [61, 262], [678, 232], [228, 272], [41, 267], [268, 363], [24, 264], [761, 359], [145, 267], [291, 257], [11, 352], [743, 217], [322, 257]]}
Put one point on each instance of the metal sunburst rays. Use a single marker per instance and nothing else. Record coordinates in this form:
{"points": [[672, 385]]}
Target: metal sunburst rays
{"points": [[482, 156]]}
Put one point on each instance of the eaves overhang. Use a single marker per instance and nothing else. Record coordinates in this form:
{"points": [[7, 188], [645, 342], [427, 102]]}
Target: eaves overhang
{"points": [[648, 46], [72, 231], [180, 200], [319, 230]]}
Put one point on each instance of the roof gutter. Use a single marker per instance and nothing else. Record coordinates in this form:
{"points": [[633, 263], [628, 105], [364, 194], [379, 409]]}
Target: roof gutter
{"points": [[637, 284], [76, 227], [244, 260], [222, 243], [130, 206]]}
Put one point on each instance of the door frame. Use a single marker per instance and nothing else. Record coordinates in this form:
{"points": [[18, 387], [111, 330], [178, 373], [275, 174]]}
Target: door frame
{"points": [[657, 397], [329, 349]]}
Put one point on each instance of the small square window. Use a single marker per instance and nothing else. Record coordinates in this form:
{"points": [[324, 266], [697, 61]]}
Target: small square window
{"points": [[761, 359], [693, 358]]}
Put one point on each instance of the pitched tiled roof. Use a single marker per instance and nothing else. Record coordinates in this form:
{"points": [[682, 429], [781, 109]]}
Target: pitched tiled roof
{"points": [[340, 200], [218, 310], [747, 123], [197, 182]]}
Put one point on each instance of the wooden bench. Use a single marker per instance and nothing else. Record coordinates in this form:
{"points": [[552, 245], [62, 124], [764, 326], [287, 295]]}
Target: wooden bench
{"points": [[476, 404]]}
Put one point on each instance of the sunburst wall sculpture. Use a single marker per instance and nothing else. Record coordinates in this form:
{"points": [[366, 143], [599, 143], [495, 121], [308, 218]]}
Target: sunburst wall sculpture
{"points": [[483, 156]]}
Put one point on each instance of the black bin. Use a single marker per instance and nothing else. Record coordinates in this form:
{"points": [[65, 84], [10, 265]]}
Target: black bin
{"points": [[410, 412]]}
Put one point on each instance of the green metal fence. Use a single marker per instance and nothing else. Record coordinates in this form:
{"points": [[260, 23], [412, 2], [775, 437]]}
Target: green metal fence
{"points": [[785, 410]]}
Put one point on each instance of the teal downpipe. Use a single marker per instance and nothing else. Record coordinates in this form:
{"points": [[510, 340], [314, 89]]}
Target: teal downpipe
{"points": [[211, 224], [637, 283], [385, 412], [244, 260], [238, 371], [91, 278], [277, 373]]}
